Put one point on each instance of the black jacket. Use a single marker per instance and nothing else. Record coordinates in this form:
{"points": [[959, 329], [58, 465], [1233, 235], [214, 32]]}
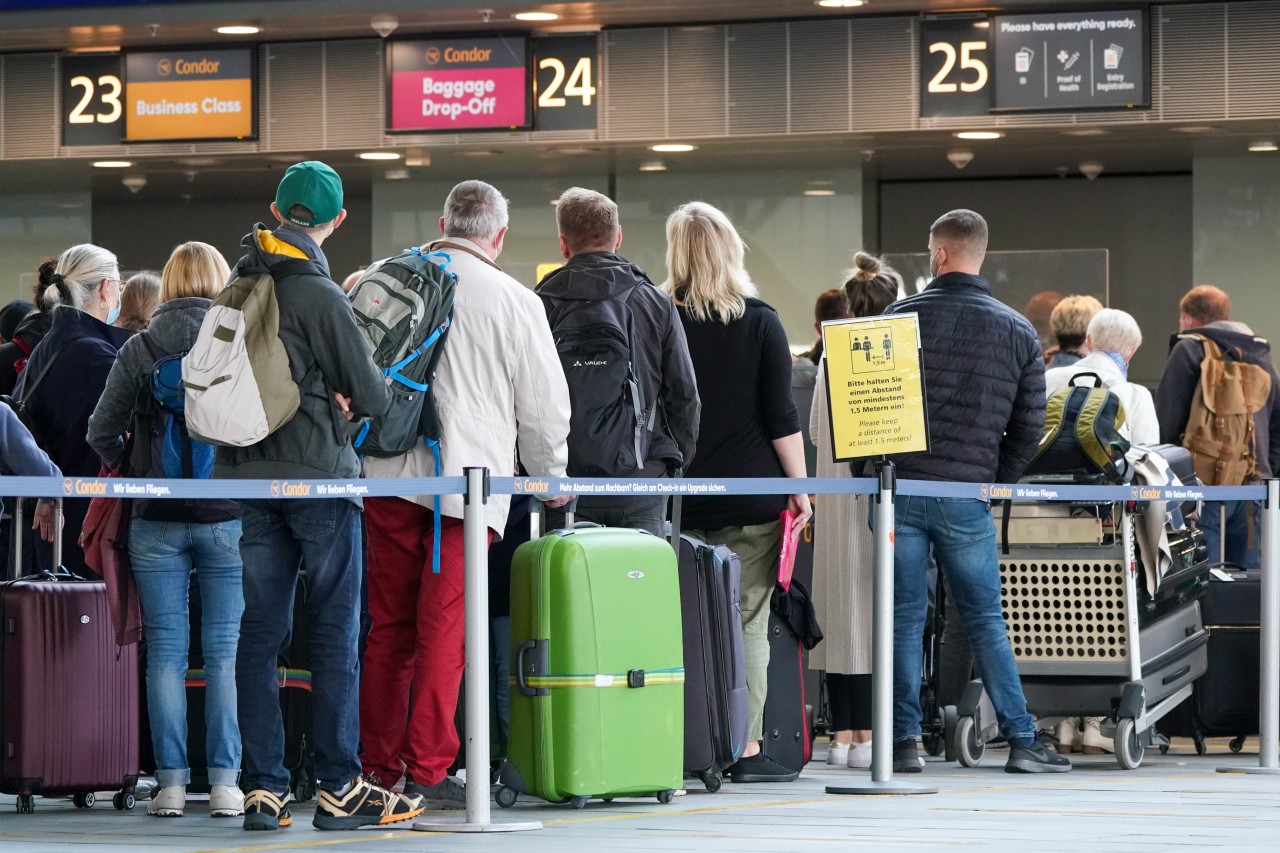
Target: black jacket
{"points": [[660, 355], [1181, 378], [984, 384], [30, 331]]}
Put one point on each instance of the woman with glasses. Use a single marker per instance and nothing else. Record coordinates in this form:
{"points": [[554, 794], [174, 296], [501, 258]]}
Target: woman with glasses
{"points": [[64, 378]]}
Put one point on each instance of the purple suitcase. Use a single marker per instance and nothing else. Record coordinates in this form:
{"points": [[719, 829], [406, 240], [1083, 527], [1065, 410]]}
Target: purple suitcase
{"points": [[68, 695]]}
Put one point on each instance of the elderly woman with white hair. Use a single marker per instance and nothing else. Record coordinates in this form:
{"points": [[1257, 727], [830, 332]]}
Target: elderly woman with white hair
{"points": [[1111, 340]]}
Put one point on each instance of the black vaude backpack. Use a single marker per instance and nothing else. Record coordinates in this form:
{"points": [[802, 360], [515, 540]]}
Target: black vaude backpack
{"points": [[1082, 432], [609, 427]]}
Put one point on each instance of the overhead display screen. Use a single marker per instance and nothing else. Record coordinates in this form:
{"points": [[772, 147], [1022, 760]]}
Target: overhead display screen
{"points": [[459, 84], [189, 94], [1070, 61]]}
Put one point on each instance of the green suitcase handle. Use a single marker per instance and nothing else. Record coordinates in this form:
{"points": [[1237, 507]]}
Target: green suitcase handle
{"points": [[539, 647]]}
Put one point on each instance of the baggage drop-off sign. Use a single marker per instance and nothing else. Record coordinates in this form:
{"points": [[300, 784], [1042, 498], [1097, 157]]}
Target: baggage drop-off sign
{"points": [[875, 388]]}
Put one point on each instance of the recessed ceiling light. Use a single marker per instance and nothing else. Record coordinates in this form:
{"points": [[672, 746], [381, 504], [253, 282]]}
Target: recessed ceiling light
{"points": [[978, 134], [982, 25], [1198, 128], [819, 192], [238, 30], [479, 152], [1263, 145], [112, 164], [536, 16], [672, 148], [396, 174], [1085, 131], [840, 4], [653, 166], [379, 155]]}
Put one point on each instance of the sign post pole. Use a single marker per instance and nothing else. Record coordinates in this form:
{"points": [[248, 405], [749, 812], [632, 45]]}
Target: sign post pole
{"points": [[476, 679], [882, 781], [1269, 693]]}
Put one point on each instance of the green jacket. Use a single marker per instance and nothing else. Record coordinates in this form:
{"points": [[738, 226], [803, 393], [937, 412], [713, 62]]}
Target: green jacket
{"points": [[327, 354]]}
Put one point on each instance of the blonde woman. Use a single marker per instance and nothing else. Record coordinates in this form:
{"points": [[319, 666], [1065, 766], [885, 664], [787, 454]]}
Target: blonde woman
{"points": [[842, 555], [748, 428], [169, 538], [140, 299]]}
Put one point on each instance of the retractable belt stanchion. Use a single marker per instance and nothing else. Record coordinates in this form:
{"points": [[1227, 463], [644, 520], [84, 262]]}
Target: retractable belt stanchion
{"points": [[882, 781], [1269, 693], [476, 680]]}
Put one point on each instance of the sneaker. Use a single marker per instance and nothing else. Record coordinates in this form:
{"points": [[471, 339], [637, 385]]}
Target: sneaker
{"points": [[225, 801], [760, 768], [838, 754], [860, 756], [267, 811], [364, 805], [1093, 740], [1035, 755], [1068, 736], [448, 793], [168, 801], [905, 757]]}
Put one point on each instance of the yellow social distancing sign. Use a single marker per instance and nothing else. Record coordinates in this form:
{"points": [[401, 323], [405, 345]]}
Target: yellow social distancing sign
{"points": [[875, 387]]}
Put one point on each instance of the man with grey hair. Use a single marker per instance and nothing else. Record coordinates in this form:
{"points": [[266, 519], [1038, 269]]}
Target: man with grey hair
{"points": [[984, 387], [624, 354], [498, 389]]}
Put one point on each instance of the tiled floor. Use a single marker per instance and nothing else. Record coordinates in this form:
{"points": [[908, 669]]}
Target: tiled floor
{"points": [[1173, 802]]}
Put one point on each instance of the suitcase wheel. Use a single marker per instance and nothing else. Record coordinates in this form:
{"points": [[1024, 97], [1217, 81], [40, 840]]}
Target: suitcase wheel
{"points": [[1236, 744], [506, 797], [665, 797], [968, 747], [578, 802], [83, 801], [303, 790], [26, 804], [1201, 747], [712, 781], [123, 801]]}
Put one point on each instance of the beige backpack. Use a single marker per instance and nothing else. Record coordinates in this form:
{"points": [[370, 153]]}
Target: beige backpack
{"points": [[1219, 431]]}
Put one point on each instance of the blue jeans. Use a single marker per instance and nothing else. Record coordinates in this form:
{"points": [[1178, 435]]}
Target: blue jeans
{"points": [[282, 538], [1239, 551], [163, 554], [964, 539]]}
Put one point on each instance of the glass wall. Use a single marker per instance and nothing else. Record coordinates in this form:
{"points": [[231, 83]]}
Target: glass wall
{"points": [[35, 226]]}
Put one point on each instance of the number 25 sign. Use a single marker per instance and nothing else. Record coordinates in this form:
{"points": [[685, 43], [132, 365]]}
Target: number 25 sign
{"points": [[955, 67]]}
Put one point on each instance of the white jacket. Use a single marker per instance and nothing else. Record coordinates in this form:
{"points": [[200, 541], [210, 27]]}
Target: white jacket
{"points": [[499, 383], [1141, 426]]}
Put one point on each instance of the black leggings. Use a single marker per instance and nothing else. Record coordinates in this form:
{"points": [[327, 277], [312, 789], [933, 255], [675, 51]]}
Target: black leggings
{"points": [[849, 698]]}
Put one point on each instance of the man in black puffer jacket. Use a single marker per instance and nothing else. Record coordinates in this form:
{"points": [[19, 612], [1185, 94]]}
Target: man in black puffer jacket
{"points": [[984, 388]]}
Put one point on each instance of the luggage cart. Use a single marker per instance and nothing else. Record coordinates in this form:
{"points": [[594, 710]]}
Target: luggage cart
{"points": [[1087, 639]]}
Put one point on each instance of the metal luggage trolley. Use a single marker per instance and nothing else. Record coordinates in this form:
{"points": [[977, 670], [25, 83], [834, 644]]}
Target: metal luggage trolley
{"points": [[1088, 639]]}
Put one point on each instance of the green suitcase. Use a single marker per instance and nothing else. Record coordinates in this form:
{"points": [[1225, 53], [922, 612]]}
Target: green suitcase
{"points": [[597, 699]]}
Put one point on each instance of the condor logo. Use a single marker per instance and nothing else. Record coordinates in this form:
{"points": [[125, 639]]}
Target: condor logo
{"points": [[1148, 493], [285, 489], [83, 487], [1000, 492]]}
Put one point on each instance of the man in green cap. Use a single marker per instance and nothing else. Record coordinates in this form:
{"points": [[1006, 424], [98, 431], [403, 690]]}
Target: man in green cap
{"points": [[337, 380]]}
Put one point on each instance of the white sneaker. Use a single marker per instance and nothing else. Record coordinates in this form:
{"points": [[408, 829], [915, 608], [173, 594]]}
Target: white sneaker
{"points": [[225, 801], [169, 801], [838, 754], [860, 755]]}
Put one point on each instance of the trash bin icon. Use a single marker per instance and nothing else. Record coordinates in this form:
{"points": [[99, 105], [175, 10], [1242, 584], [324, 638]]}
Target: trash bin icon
{"points": [[1022, 60]]}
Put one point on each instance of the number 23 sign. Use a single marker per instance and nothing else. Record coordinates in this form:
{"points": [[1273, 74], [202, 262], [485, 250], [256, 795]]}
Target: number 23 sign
{"points": [[955, 75]]}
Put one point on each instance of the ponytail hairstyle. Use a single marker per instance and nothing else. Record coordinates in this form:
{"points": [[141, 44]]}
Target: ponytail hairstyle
{"points": [[871, 286], [79, 272], [44, 280]]}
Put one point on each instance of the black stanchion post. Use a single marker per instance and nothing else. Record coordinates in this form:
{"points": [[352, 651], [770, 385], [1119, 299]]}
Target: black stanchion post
{"points": [[882, 781]]}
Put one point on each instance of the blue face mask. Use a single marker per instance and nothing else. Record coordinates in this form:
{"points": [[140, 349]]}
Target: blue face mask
{"points": [[114, 313]]}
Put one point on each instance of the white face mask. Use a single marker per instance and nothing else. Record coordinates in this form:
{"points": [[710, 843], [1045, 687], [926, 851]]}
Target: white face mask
{"points": [[932, 272]]}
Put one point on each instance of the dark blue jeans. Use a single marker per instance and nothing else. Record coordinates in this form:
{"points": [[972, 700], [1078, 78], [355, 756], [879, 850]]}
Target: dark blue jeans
{"points": [[964, 540], [1235, 536], [280, 539]]}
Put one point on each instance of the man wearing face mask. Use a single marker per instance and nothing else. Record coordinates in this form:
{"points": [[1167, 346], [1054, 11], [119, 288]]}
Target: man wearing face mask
{"points": [[984, 387], [64, 378]]}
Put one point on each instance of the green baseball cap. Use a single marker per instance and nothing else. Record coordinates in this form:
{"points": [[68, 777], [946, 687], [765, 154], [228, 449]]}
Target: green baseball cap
{"points": [[313, 185]]}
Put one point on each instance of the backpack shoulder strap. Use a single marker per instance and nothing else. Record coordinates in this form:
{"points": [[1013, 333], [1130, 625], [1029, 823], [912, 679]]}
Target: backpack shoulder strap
{"points": [[447, 244]]}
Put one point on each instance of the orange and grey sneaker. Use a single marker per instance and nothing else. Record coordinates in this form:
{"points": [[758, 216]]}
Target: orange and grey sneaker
{"points": [[265, 810], [364, 804]]}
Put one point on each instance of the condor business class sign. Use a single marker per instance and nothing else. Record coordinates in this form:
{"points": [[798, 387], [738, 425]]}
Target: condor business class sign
{"points": [[459, 84], [189, 94]]}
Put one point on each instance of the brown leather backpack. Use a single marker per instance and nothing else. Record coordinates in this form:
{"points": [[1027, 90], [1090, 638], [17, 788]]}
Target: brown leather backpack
{"points": [[1219, 431]]}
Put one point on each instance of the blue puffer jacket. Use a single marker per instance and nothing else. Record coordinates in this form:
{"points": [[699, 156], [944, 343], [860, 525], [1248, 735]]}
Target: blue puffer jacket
{"points": [[984, 384]]}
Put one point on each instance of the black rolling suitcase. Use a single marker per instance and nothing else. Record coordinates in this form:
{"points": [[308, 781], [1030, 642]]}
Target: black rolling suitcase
{"points": [[788, 712], [715, 684]]}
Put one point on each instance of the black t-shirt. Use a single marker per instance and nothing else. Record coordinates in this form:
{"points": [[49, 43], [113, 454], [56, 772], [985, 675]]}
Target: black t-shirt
{"points": [[744, 382]]}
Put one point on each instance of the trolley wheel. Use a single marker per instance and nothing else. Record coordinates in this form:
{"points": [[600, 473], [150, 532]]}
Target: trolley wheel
{"points": [[578, 802], [712, 781], [84, 801], [1164, 749], [1129, 745], [304, 790], [949, 719], [666, 797], [969, 750], [506, 797], [1236, 744], [124, 801], [26, 804], [1201, 747], [935, 744]]}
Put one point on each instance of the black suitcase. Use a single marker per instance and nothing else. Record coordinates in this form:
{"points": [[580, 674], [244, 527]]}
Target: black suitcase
{"points": [[715, 684], [1186, 580], [787, 714]]}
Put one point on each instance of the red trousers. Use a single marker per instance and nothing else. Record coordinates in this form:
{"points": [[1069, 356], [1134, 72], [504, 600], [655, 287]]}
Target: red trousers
{"points": [[414, 659]]}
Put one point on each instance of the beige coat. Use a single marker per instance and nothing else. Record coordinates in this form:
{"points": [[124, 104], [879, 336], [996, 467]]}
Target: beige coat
{"points": [[841, 560], [499, 384]]}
